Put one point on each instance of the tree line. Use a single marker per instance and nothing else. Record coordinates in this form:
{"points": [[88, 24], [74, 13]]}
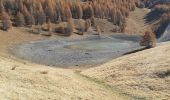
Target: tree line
{"points": [[21, 13]]}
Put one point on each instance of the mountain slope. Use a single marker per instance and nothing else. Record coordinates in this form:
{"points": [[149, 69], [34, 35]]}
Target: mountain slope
{"points": [[136, 23], [30, 81], [145, 74]]}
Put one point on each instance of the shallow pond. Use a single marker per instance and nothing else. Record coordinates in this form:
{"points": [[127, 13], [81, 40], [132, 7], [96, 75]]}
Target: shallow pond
{"points": [[76, 52]]}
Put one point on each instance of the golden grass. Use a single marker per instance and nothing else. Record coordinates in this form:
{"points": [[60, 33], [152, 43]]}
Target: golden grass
{"points": [[27, 82], [135, 74]]}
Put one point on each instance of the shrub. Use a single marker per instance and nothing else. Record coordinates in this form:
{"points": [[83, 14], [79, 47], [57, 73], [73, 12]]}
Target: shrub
{"points": [[66, 29], [149, 39], [69, 28], [98, 30], [81, 27], [87, 24], [60, 30]]}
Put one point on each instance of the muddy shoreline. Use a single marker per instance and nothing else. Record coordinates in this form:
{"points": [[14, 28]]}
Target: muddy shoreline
{"points": [[66, 52]]}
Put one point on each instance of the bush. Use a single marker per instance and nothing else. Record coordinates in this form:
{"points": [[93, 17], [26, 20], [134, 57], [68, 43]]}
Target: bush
{"points": [[149, 39], [87, 25], [69, 28]]}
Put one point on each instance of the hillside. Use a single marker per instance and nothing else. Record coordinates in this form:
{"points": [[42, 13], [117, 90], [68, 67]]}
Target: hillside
{"points": [[145, 74], [36, 82], [136, 23], [21, 79], [16, 36], [87, 45]]}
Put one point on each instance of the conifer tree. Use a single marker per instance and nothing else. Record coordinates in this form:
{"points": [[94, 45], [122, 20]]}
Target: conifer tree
{"points": [[41, 17], [49, 28], [2, 9], [79, 11], [88, 11], [20, 21], [68, 13], [6, 22], [29, 19]]}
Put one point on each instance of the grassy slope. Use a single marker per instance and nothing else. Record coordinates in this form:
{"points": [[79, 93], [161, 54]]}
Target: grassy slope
{"points": [[133, 72], [136, 23], [34, 82], [137, 74], [30, 81]]}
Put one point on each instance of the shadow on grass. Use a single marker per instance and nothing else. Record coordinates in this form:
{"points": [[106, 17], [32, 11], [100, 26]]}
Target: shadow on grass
{"points": [[141, 49], [163, 74]]}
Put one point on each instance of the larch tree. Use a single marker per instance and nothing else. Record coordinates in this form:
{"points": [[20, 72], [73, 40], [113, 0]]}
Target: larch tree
{"points": [[2, 9], [6, 22], [29, 18], [20, 20]]}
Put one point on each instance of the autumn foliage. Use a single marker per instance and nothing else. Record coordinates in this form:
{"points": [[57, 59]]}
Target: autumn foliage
{"points": [[149, 39], [6, 22], [39, 12]]}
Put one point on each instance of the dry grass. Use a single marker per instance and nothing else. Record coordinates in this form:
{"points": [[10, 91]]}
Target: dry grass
{"points": [[23, 80], [44, 72], [15, 36], [14, 67], [135, 74], [136, 23], [62, 84]]}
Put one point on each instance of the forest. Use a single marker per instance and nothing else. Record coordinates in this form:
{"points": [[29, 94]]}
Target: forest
{"points": [[21, 13], [30, 13]]}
